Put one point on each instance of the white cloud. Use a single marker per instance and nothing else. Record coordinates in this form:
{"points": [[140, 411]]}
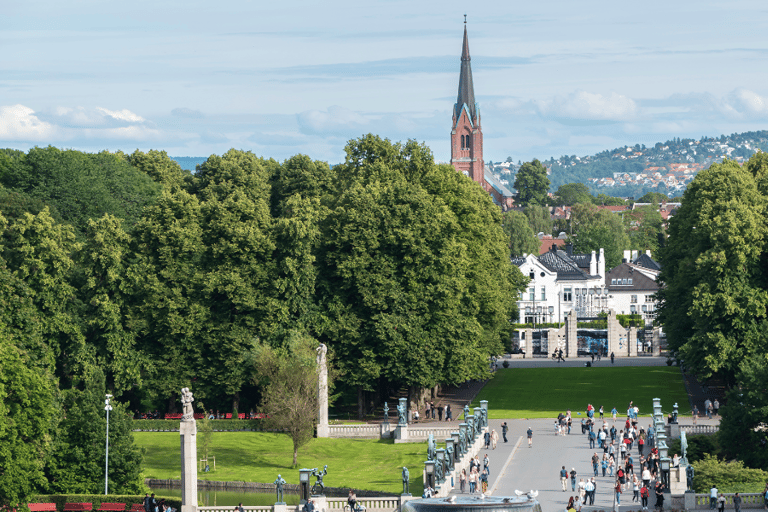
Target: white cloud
{"points": [[19, 123], [334, 121], [122, 115], [582, 105], [743, 103]]}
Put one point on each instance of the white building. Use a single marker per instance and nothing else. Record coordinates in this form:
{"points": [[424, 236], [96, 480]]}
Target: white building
{"points": [[633, 285], [561, 282]]}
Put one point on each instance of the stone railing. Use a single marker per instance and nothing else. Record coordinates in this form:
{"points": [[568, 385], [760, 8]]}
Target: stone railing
{"points": [[385, 504], [362, 431], [706, 430], [422, 433], [748, 500]]}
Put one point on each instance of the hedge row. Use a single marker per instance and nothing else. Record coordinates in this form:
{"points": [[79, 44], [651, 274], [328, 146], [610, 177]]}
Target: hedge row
{"points": [[217, 425], [97, 499]]}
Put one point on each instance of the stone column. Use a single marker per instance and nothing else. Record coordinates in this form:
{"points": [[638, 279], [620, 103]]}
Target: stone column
{"points": [[632, 341], [614, 332], [528, 343], [188, 433], [571, 339], [322, 392], [656, 342]]}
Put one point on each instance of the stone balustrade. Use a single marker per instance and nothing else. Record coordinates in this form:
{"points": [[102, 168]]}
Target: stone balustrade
{"points": [[416, 432], [707, 430], [384, 504], [748, 500]]}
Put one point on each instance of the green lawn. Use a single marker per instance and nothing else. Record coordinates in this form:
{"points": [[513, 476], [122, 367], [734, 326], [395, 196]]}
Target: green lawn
{"points": [[259, 457], [545, 392]]}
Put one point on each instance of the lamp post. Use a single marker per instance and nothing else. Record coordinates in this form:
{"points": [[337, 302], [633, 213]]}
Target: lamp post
{"points": [[107, 408]]}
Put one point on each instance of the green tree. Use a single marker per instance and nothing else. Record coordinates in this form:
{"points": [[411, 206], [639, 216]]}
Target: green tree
{"points": [[26, 419], [714, 299], [539, 219], [594, 228], [532, 184], [522, 239], [289, 378], [77, 462], [653, 198], [609, 200], [645, 228], [160, 167], [572, 193]]}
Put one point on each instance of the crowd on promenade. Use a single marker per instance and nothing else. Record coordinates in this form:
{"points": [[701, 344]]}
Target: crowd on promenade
{"points": [[617, 466]]}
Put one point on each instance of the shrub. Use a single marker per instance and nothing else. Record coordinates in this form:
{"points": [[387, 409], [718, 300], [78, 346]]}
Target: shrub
{"points": [[505, 364], [698, 447], [216, 425], [727, 476]]}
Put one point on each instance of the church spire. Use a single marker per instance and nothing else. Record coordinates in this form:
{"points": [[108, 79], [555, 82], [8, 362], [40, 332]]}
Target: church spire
{"points": [[466, 88]]}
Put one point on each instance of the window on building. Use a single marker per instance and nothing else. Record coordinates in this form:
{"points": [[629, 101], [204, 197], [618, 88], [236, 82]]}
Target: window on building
{"points": [[649, 298], [567, 297], [634, 299], [630, 280], [613, 282], [531, 294], [645, 308], [633, 309], [531, 275], [520, 293], [543, 293]]}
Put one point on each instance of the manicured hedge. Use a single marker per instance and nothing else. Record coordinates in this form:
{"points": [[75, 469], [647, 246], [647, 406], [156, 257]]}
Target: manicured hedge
{"points": [[217, 425], [97, 499]]}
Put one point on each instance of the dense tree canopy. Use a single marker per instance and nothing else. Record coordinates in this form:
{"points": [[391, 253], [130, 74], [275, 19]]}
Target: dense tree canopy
{"points": [[573, 193], [593, 229], [522, 239], [532, 184]]}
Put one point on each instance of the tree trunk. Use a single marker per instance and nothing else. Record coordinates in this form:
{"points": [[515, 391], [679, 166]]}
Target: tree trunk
{"points": [[172, 404], [235, 404], [295, 455], [360, 402]]}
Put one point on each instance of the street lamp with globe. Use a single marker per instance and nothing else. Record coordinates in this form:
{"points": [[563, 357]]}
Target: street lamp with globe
{"points": [[107, 408]]}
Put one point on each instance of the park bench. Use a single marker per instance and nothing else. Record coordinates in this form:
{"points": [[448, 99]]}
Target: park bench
{"points": [[115, 507], [137, 507], [176, 416], [199, 415], [72, 507], [241, 415], [42, 507], [228, 416]]}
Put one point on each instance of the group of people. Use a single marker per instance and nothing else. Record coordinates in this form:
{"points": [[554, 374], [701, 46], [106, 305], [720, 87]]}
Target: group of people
{"points": [[430, 411], [477, 478], [718, 500], [639, 475], [152, 505]]}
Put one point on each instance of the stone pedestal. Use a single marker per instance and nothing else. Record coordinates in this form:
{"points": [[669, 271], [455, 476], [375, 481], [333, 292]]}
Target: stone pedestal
{"points": [[280, 507], [321, 504], [385, 430], [673, 430], [617, 337], [689, 500], [656, 344], [678, 482], [401, 434], [188, 432]]}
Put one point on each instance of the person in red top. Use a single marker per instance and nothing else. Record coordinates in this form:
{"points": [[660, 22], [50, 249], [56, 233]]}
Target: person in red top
{"points": [[644, 496], [618, 493]]}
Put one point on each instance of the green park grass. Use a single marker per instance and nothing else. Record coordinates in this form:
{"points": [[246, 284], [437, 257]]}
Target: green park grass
{"points": [[260, 456], [545, 392]]}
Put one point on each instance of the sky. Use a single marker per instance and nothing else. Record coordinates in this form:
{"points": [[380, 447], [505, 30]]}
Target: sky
{"points": [[280, 78]]}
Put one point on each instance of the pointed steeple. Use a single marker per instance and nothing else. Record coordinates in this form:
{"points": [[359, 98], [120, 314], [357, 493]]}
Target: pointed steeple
{"points": [[466, 89]]}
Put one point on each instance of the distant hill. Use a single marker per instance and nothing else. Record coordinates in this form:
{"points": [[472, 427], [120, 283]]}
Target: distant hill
{"points": [[189, 162], [632, 171]]}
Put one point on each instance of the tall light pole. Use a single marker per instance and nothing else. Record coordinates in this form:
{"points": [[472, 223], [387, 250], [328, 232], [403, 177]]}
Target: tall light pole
{"points": [[107, 408]]}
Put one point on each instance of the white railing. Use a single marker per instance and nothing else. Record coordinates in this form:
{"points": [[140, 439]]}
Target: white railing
{"points": [[386, 504], [440, 433], [699, 429], [748, 500], [361, 431]]}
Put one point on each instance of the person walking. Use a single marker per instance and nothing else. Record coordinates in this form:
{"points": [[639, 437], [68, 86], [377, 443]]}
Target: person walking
{"points": [[712, 498], [439, 414], [582, 492], [463, 480], [564, 478], [612, 356], [573, 479], [721, 503], [618, 493], [530, 437], [589, 489], [487, 437], [595, 463], [644, 496], [716, 406], [504, 430], [635, 488], [737, 502]]}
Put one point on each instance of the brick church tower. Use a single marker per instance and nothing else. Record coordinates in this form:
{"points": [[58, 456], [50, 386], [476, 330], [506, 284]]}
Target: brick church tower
{"points": [[466, 134]]}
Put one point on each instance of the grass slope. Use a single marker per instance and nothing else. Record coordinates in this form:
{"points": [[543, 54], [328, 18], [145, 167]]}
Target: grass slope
{"points": [[260, 456], [545, 392]]}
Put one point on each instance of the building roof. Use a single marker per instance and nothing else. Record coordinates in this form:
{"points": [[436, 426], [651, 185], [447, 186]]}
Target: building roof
{"points": [[559, 261], [626, 273], [466, 88], [546, 243], [496, 184], [646, 261]]}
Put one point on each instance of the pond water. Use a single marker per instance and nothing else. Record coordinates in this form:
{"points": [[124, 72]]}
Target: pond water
{"points": [[230, 498]]}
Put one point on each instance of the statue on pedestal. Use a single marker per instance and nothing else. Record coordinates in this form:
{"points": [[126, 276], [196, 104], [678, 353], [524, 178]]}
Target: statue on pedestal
{"points": [[484, 412], [462, 445], [689, 476], [449, 454], [386, 413], [186, 401], [431, 448], [279, 483], [319, 482], [401, 420], [466, 412], [406, 481]]}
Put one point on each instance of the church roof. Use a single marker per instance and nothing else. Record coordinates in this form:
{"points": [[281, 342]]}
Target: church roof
{"points": [[466, 88], [496, 184]]}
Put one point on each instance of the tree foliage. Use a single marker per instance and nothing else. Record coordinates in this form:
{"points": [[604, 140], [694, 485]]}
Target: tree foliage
{"points": [[522, 239], [593, 229], [532, 184], [573, 193]]}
